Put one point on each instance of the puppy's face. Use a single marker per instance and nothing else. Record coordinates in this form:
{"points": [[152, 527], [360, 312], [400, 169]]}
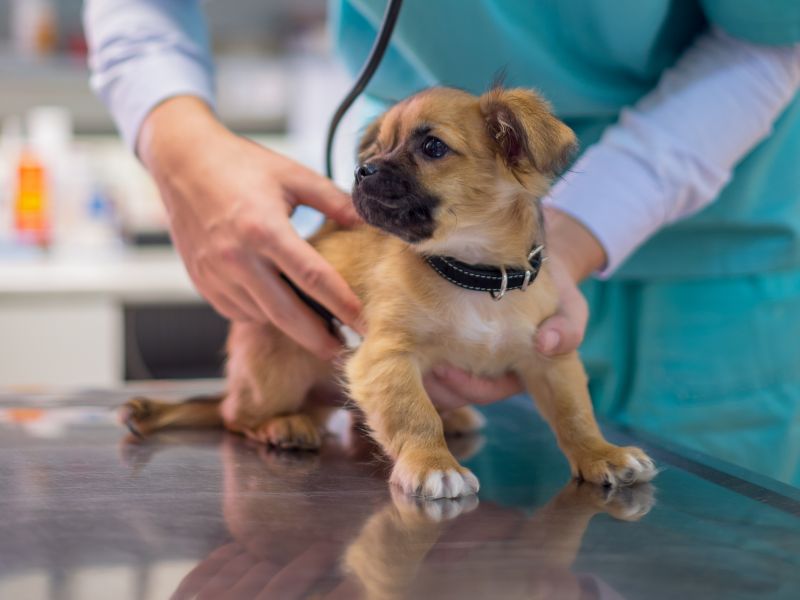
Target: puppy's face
{"points": [[444, 161]]}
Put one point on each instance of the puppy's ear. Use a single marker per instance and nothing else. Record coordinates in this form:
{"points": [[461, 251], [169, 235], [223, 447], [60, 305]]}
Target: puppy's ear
{"points": [[368, 138], [525, 132]]}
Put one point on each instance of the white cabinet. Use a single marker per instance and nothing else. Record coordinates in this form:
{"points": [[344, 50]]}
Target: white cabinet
{"points": [[62, 321]]}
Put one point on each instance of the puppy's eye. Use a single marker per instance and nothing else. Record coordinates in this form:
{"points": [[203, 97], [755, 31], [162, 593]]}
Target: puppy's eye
{"points": [[433, 147]]}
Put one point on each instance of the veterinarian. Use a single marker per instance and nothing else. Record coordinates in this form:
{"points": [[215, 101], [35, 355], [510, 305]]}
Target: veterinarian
{"points": [[685, 203]]}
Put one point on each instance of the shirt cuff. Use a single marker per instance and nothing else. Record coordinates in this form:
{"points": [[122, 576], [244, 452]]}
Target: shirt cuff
{"points": [[131, 93], [608, 176]]}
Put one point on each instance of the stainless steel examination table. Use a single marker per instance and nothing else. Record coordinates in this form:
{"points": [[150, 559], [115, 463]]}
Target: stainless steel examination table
{"points": [[88, 511]]}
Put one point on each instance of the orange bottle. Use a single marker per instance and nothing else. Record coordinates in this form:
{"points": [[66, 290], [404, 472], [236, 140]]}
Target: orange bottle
{"points": [[32, 206]]}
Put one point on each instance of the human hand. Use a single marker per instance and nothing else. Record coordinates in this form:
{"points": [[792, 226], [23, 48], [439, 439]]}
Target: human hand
{"points": [[573, 254], [563, 332], [450, 387], [229, 201], [265, 557]]}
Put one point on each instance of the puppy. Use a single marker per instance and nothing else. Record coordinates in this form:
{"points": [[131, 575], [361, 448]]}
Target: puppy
{"points": [[448, 185], [394, 554]]}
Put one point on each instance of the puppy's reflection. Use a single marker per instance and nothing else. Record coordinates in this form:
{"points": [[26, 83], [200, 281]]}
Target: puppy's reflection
{"points": [[412, 549], [321, 526]]}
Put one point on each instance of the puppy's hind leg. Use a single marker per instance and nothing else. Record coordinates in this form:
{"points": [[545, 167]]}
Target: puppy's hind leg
{"points": [[145, 415], [272, 412], [270, 377]]}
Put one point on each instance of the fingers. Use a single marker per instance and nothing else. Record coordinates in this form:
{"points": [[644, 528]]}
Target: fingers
{"points": [[236, 243], [558, 335], [455, 387], [250, 584], [220, 581], [345, 590], [297, 578], [315, 276], [286, 311], [195, 581], [232, 302], [443, 397], [323, 194], [563, 332], [229, 308]]}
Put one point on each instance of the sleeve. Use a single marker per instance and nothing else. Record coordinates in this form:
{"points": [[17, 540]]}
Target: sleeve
{"points": [[772, 22], [142, 52], [671, 154]]}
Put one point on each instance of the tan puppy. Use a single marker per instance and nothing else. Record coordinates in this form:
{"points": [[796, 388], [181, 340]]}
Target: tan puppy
{"points": [[391, 556], [443, 173]]}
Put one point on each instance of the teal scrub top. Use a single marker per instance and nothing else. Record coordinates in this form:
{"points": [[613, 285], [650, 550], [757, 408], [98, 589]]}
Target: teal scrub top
{"points": [[591, 58]]}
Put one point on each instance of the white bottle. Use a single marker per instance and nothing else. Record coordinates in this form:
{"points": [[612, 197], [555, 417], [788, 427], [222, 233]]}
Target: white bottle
{"points": [[50, 139]]}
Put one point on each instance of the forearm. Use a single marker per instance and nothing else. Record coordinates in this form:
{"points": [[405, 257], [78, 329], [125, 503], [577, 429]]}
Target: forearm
{"points": [[672, 153], [143, 52]]}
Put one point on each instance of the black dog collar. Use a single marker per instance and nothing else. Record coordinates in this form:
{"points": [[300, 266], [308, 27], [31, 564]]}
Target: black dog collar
{"points": [[482, 278]]}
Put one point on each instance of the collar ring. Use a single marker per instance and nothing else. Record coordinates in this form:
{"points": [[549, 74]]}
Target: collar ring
{"points": [[526, 281], [503, 285], [535, 251]]}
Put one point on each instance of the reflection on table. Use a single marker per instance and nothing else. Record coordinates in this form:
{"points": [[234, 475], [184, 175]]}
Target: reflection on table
{"points": [[98, 513]]}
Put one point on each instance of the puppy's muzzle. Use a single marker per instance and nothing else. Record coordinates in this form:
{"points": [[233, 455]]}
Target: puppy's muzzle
{"points": [[389, 197]]}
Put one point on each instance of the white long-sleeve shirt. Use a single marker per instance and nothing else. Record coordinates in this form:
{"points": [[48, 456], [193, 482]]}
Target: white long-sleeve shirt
{"points": [[143, 52], [671, 154], [667, 157]]}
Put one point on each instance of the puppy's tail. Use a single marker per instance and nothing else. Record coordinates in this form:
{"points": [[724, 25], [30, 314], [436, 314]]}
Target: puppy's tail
{"points": [[146, 415]]}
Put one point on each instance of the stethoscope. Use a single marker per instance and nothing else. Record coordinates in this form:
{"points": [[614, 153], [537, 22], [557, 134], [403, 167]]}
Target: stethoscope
{"points": [[349, 337], [367, 71]]}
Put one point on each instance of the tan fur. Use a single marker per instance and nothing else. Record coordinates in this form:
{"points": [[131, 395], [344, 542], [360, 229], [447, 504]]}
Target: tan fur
{"points": [[505, 145], [389, 557]]}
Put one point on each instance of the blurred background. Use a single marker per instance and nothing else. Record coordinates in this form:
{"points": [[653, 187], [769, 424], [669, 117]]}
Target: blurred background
{"points": [[91, 292]]}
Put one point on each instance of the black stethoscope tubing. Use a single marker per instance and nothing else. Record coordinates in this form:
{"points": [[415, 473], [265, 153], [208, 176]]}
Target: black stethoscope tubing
{"points": [[367, 71]]}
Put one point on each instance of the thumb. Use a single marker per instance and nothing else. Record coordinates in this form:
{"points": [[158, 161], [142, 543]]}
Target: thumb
{"points": [[563, 332], [316, 191], [558, 335]]}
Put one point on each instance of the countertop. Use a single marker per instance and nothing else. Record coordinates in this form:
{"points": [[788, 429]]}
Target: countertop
{"points": [[123, 273], [128, 275], [87, 511]]}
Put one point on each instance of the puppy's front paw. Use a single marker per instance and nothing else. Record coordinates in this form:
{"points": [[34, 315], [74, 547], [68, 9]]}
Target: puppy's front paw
{"points": [[613, 466], [415, 508], [630, 503], [433, 474]]}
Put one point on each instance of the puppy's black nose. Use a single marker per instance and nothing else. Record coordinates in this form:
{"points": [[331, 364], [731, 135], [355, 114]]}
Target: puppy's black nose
{"points": [[365, 170]]}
